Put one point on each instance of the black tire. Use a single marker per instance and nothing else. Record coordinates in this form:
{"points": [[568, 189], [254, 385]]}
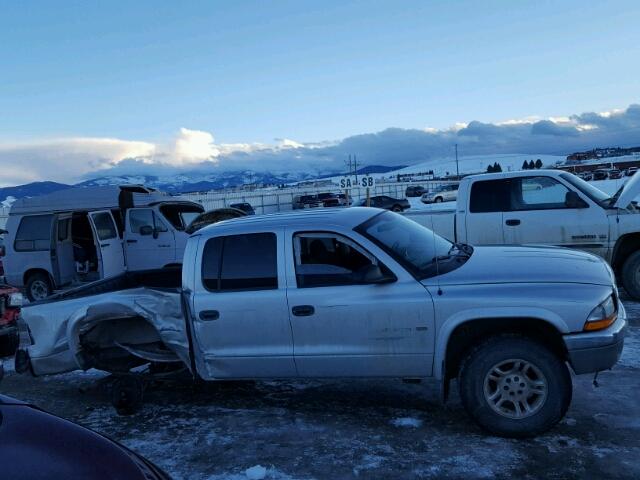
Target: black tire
{"points": [[631, 275], [438, 200], [396, 208], [127, 394], [474, 373], [38, 287]]}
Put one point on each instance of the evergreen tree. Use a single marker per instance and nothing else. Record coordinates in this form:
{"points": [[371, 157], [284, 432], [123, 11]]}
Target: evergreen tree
{"points": [[532, 165], [497, 167], [525, 165], [538, 164], [490, 168]]}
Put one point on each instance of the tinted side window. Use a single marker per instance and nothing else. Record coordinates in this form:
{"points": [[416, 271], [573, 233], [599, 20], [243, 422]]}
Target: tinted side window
{"points": [[104, 226], [324, 259], [140, 218], [63, 229], [34, 233], [211, 263], [490, 196], [241, 262]]}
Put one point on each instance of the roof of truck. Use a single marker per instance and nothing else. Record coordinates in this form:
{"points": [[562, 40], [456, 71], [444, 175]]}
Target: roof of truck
{"points": [[315, 218], [550, 172]]}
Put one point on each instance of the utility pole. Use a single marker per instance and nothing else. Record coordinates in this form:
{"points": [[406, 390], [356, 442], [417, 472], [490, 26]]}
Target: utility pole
{"points": [[457, 167], [355, 167]]}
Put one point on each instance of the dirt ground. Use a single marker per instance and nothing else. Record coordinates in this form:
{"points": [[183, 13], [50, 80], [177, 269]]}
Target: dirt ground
{"points": [[352, 429]]}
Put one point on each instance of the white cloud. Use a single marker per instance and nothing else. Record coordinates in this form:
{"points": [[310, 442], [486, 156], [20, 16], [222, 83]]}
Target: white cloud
{"points": [[193, 146], [69, 160]]}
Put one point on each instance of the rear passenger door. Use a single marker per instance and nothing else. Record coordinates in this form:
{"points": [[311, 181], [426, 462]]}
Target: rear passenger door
{"points": [[345, 327], [108, 243], [241, 324], [488, 199]]}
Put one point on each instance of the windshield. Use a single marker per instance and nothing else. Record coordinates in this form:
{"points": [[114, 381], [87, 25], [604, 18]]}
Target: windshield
{"points": [[418, 249], [589, 190]]}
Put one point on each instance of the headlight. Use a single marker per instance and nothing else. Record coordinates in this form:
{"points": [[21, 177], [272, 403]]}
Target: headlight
{"points": [[15, 299], [602, 316]]}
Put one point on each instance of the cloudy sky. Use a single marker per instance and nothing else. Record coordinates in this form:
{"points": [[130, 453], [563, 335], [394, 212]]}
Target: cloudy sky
{"points": [[87, 87]]}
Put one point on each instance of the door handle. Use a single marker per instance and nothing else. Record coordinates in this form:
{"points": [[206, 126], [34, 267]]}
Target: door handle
{"points": [[513, 222], [132, 241], [209, 315], [104, 245], [303, 310]]}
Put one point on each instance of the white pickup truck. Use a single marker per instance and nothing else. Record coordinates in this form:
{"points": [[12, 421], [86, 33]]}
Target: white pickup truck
{"points": [[546, 207]]}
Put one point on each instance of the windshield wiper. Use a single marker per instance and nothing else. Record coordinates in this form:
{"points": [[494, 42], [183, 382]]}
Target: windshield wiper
{"points": [[456, 250]]}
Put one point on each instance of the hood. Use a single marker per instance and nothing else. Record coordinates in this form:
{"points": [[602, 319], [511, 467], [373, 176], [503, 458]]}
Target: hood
{"points": [[518, 264], [629, 191], [213, 216]]}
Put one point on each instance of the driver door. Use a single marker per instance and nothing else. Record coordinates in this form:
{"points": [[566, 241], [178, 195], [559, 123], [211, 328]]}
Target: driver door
{"points": [[108, 243], [149, 242], [346, 328]]}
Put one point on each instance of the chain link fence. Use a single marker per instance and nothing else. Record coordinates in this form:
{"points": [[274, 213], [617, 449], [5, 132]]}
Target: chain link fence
{"points": [[281, 199]]}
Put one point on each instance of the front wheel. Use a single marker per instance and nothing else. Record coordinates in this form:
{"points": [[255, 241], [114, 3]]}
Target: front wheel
{"points": [[38, 287], [631, 275], [438, 200], [513, 386], [396, 208]]}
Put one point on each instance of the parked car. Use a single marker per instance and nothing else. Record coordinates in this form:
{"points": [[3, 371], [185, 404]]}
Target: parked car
{"points": [[601, 174], [586, 176], [357, 292], [500, 208], [83, 234], [344, 202], [615, 174], [631, 171], [10, 303], [245, 207], [329, 199], [443, 193], [305, 201], [386, 202], [415, 191], [36, 444]]}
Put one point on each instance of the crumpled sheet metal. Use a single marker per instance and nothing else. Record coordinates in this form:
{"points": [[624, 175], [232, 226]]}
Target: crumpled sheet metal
{"points": [[56, 327]]}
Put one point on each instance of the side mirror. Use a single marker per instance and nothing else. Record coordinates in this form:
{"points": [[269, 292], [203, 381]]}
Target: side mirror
{"points": [[147, 230], [373, 274], [573, 200]]}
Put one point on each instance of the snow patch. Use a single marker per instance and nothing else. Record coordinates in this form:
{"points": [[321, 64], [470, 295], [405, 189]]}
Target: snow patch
{"points": [[257, 472], [407, 422]]}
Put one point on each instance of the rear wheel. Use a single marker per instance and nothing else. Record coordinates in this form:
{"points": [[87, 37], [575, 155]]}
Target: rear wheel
{"points": [[513, 386], [631, 275], [438, 200], [396, 208], [38, 287]]}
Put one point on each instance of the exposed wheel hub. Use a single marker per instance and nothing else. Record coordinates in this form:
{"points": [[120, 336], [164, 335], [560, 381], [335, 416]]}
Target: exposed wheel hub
{"points": [[515, 388]]}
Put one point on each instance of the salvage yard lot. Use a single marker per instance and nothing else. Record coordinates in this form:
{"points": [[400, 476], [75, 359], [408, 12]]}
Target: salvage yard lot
{"points": [[352, 429]]}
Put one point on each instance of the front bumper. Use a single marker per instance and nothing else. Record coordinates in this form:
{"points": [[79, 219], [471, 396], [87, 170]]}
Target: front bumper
{"points": [[597, 351]]}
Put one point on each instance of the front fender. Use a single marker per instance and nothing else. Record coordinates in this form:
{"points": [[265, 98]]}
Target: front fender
{"points": [[523, 314]]}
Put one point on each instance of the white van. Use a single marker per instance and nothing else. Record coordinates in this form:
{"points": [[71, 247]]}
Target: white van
{"points": [[84, 234]]}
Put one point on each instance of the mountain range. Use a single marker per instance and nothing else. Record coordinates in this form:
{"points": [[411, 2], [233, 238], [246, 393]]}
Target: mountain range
{"points": [[187, 181]]}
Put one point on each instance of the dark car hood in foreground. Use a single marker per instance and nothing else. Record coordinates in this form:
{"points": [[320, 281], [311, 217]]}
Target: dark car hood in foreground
{"points": [[38, 445], [520, 264]]}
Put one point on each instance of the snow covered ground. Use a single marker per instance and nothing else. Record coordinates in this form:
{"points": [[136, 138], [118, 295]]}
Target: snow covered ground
{"points": [[350, 429]]}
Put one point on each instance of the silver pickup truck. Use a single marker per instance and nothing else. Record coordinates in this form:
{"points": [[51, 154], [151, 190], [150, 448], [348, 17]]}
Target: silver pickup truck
{"points": [[357, 292]]}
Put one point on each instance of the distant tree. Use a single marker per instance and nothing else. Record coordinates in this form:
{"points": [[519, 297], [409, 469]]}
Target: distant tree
{"points": [[538, 164], [525, 165], [497, 167], [490, 168], [532, 165]]}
